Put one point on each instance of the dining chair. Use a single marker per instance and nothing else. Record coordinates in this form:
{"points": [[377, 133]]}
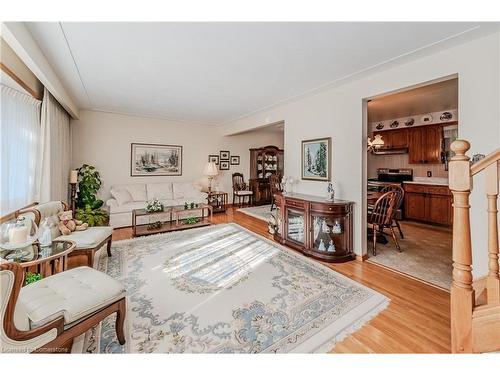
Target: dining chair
{"points": [[275, 187], [397, 206], [382, 216], [241, 189]]}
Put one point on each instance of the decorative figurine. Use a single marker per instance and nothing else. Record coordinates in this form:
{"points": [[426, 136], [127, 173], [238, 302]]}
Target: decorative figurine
{"points": [[336, 228], [331, 191], [324, 227], [321, 246], [331, 247]]}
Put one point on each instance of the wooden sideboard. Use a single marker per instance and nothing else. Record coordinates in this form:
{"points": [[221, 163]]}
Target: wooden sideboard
{"points": [[315, 226]]}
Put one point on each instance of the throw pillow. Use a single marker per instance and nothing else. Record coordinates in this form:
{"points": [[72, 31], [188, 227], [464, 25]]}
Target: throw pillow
{"points": [[122, 196]]}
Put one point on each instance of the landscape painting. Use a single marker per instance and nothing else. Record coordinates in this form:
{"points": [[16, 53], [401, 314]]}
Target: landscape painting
{"points": [[155, 160], [316, 158]]}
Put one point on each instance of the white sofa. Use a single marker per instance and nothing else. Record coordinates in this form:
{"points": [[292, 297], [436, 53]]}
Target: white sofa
{"points": [[126, 198]]}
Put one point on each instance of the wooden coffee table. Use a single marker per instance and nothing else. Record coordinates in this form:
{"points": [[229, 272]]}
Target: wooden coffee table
{"points": [[169, 219]]}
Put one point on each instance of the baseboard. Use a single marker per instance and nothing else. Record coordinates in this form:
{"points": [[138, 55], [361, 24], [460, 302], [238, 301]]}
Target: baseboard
{"points": [[361, 258]]}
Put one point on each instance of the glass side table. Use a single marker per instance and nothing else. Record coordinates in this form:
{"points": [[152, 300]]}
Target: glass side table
{"points": [[218, 201], [46, 260]]}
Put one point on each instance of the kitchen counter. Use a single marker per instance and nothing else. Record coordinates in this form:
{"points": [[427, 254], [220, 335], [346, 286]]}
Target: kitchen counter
{"points": [[429, 181]]}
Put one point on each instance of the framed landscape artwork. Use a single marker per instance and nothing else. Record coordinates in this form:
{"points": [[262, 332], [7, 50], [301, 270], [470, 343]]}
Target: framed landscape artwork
{"points": [[155, 160], [316, 159]]}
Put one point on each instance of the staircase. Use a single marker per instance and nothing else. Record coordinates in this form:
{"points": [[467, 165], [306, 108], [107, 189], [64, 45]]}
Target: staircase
{"points": [[475, 322]]}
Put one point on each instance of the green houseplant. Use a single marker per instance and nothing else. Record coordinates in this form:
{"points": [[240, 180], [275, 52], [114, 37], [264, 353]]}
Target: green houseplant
{"points": [[88, 205], [31, 278]]}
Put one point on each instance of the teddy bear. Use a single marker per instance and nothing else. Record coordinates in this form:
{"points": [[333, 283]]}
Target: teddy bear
{"points": [[67, 224]]}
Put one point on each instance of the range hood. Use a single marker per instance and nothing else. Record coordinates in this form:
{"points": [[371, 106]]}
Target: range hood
{"points": [[390, 151]]}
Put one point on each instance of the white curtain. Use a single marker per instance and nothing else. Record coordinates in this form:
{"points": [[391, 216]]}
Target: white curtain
{"points": [[20, 132], [55, 151]]}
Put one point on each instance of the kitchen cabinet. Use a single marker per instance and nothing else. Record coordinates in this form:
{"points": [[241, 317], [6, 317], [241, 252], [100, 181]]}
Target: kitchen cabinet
{"points": [[425, 144], [394, 138], [429, 203]]}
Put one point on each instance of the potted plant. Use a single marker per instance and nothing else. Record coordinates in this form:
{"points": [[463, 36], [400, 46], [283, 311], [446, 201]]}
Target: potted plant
{"points": [[31, 278], [88, 205]]}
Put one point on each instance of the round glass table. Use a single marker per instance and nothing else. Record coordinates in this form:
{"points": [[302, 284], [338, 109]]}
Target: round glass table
{"points": [[45, 260]]}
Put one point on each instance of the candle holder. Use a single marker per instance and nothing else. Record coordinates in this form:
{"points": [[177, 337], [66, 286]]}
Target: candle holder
{"points": [[73, 198]]}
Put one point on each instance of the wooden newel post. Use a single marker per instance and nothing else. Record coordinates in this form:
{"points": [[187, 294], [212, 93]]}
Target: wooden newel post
{"points": [[493, 280], [462, 293]]}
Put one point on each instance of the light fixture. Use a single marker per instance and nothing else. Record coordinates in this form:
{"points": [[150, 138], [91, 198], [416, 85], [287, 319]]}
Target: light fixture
{"points": [[210, 171], [376, 143]]}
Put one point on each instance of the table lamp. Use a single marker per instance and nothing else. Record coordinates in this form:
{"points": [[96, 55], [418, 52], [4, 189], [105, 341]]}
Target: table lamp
{"points": [[210, 171]]}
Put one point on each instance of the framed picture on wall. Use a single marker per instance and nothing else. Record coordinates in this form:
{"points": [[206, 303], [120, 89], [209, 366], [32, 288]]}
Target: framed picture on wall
{"points": [[235, 160], [316, 159], [214, 159], [224, 165], [224, 155], [155, 160]]}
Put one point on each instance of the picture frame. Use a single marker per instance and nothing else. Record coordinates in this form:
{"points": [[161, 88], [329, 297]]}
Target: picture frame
{"points": [[214, 159], [224, 155], [224, 165], [235, 160], [150, 159], [316, 159]]}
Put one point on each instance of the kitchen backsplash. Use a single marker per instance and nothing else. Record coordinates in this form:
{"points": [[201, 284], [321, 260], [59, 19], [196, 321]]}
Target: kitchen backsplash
{"points": [[401, 161]]}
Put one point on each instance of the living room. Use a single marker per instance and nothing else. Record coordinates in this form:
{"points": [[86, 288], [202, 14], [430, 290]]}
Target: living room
{"points": [[200, 187]]}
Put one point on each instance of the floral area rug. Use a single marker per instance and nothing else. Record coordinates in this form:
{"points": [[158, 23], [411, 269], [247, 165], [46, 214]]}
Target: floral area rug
{"points": [[224, 289]]}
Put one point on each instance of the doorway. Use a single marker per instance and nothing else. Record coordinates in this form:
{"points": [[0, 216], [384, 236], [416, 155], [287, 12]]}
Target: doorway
{"points": [[410, 132]]}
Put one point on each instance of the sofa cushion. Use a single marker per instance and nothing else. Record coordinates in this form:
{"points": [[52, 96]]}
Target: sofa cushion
{"points": [[73, 294], [159, 191], [184, 190], [138, 192], [127, 207], [121, 195], [48, 211], [89, 238]]}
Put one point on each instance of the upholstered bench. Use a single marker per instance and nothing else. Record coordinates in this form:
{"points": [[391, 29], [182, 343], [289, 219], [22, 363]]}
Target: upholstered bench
{"points": [[87, 241], [48, 314]]}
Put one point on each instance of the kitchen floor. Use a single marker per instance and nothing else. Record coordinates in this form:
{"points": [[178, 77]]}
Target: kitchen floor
{"points": [[427, 253]]}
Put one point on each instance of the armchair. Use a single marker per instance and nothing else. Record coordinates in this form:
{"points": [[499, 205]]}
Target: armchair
{"points": [[87, 241], [47, 315], [241, 189]]}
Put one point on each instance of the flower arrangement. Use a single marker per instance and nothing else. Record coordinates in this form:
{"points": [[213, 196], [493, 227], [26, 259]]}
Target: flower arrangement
{"points": [[154, 206]]}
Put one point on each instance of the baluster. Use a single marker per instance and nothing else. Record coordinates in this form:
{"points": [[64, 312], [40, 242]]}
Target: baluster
{"points": [[493, 280], [462, 293]]}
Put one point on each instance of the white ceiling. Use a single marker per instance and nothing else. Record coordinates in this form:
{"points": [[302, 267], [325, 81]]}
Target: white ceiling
{"points": [[215, 72], [426, 99]]}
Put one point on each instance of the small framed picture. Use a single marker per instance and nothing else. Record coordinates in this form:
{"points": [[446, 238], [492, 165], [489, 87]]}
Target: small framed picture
{"points": [[224, 165], [224, 155], [214, 159], [235, 160]]}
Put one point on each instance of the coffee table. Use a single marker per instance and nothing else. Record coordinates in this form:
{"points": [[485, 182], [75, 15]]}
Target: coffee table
{"points": [[46, 260], [173, 221]]}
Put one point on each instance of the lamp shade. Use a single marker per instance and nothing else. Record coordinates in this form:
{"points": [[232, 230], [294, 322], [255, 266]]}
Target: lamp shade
{"points": [[210, 169], [378, 141]]}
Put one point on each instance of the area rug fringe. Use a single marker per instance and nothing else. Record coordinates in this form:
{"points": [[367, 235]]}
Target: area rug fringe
{"points": [[348, 331]]}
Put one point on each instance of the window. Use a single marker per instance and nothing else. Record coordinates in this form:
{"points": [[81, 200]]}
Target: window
{"points": [[20, 133]]}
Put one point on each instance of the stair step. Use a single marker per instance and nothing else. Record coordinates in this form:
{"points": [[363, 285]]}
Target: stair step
{"points": [[486, 328]]}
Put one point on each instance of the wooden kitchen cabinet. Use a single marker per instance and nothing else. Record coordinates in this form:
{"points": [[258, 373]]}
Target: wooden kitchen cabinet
{"points": [[424, 144], [394, 138], [429, 203]]}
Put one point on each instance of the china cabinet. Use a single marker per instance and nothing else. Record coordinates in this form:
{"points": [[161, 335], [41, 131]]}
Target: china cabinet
{"points": [[264, 162], [315, 226]]}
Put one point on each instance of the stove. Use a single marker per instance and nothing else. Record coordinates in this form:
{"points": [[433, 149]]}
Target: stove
{"points": [[388, 176]]}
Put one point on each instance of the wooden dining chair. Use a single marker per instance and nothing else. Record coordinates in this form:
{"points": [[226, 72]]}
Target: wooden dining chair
{"points": [[397, 206], [241, 189], [382, 216], [275, 187]]}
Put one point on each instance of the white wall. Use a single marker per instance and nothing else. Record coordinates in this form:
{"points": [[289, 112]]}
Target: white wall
{"points": [[103, 139], [338, 113]]}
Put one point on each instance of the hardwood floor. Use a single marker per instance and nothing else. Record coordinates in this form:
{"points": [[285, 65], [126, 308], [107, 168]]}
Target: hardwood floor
{"points": [[416, 321]]}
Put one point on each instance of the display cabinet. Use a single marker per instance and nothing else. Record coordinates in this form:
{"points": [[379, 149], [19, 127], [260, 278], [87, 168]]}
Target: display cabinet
{"points": [[315, 226], [264, 162]]}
